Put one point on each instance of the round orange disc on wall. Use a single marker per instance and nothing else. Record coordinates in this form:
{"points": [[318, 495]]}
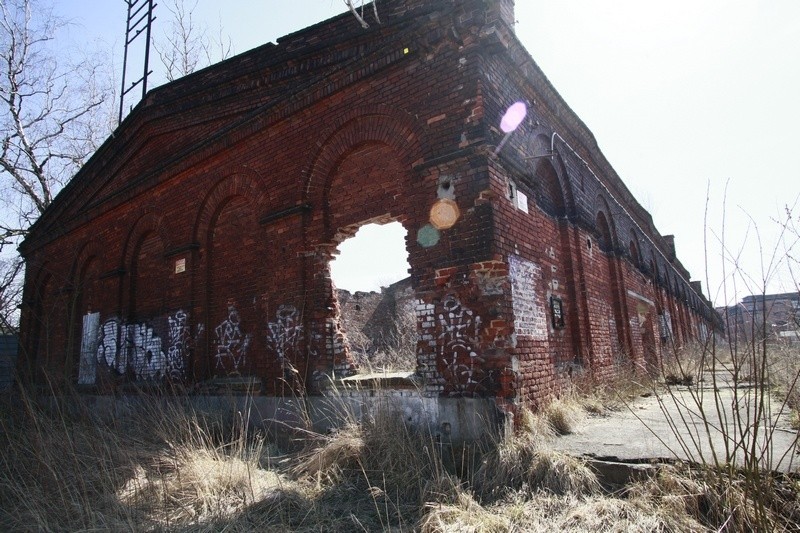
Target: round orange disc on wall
{"points": [[444, 213]]}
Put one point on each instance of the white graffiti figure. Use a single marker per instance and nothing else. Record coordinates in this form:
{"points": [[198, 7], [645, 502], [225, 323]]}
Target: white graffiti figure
{"points": [[460, 330], [140, 349], [178, 344], [108, 351], [283, 335], [144, 350], [232, 344]]}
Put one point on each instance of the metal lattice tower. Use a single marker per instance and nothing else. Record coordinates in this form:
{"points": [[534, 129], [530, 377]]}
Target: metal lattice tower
{"points": [[139, 20]]}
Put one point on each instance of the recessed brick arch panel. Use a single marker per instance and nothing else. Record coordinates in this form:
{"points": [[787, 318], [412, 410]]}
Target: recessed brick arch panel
{"points": [[145, 268], [229, 282], [555, 183], [373, 124], [243, 182]]}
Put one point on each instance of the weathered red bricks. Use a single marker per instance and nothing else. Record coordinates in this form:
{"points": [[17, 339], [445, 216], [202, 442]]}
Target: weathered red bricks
{"points": [[196, 242]]}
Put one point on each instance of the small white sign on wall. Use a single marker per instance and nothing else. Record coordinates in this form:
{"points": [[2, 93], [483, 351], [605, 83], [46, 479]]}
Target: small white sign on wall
{"points": [[522, 201], [180, 265]]}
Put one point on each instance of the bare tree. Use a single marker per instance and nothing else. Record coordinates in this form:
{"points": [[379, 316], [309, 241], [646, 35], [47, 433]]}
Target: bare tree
{"points": [[10, 293], [359, 13], [49, 126], [187, 45]]}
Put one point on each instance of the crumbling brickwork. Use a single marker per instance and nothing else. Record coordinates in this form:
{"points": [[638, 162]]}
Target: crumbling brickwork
{"points": [[196, 243]]}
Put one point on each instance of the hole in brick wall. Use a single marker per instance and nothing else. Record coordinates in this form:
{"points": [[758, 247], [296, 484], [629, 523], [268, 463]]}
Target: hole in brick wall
{"points": [[376, 301], [374, 257]]}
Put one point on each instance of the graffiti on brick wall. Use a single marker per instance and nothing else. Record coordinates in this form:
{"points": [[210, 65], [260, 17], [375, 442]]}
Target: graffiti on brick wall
{"points": [[145, 355], [490, 283], [457, 345], [87, 368], [284, 334], [108, 351], [231, 342], [530, 318], [147, 350], [179, 339], [426, 345]]}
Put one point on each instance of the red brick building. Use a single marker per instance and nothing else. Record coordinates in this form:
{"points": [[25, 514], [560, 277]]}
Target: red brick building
{"points": [[196, 242]]}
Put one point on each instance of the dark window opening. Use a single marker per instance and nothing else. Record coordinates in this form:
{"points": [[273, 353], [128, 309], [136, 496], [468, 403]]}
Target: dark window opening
{"points": [[557, 312]]}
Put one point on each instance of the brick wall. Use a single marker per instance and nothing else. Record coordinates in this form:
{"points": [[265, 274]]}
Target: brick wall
{"points": [[195, 245]]}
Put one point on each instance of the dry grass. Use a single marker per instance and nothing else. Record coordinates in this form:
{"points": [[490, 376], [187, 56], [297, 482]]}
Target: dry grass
{"points": [[330, 455], [523, 461], [394, 350], [164, 466], [545, 512], [785, 377], [699, 496], [563, 414]]}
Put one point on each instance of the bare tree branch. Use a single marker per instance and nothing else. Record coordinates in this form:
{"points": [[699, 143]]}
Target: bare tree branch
{"points": [[186, 45], [51, 121], [10, 293], [359, 16]]}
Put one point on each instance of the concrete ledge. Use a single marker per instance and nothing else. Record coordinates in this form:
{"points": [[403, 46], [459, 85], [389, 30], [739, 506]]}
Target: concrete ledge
{"points": [[453, 420], [615, 474]]}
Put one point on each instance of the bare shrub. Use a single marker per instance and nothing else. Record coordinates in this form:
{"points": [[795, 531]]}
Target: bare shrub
{"points": [[683, 366], [697, 493], [784, 368]]}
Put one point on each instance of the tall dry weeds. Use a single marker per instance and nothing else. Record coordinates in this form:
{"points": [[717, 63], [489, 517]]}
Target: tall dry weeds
{"points": [[66, 468], [523, 461]]}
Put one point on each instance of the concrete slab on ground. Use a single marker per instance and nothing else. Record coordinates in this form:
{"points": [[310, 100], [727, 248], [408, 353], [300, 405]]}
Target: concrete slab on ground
{"points": [[669, 425]]}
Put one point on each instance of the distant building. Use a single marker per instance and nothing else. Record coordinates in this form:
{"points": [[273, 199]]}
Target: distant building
{"points": [[775, 317]]}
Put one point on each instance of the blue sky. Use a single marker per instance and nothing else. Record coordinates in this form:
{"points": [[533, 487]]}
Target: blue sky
{"points": [[687, 99]]}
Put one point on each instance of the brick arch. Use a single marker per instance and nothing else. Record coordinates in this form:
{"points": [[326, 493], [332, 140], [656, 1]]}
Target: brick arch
{"points": [[149, 225], [348, 191], [380, 124], [653, 268], [541, 145], [604, 226], [603, 230], [243, 182], [602, 217], [82, 296], [635, 249], [149, 221], [550, 189], [36, 310], [232, 201], [92, 248]]}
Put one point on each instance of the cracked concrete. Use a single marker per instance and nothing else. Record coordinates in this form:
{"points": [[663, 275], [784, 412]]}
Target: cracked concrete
{"points": [[670, 425]]}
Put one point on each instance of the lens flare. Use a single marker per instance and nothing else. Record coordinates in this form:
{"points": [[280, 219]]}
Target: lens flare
{"points": [[513, 117], [444, 214], [428, 236]]}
